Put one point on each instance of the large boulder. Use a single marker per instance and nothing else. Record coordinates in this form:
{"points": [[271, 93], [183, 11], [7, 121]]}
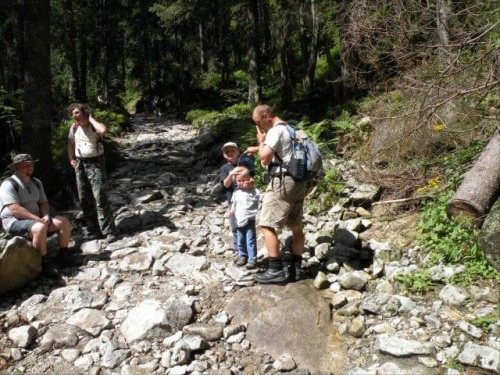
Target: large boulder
{"points": [[293, 320], [489, 237], [20, 263]]}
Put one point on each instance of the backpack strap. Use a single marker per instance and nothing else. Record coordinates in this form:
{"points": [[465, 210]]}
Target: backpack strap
{"points": [[14, 183]]}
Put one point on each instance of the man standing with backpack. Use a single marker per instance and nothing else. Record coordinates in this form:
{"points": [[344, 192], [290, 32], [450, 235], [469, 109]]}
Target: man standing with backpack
{"points": [[86, 155], [284, 196]]}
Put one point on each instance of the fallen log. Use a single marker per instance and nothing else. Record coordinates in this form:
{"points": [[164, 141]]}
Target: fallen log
{"points": [[480, 186]]}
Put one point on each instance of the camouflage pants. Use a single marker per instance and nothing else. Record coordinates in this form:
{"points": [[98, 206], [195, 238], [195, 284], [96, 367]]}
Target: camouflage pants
{"points": [[91, 182]]}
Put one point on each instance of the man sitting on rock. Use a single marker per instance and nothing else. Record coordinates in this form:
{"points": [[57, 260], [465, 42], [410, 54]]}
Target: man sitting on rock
{"points": [[25, 212]]}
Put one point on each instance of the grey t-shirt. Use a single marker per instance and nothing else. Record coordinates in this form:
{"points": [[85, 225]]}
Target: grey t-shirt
{"points": [[28, 196]]}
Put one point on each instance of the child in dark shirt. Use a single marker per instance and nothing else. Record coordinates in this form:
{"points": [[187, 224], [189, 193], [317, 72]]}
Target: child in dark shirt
{"points": [[233, 159]]}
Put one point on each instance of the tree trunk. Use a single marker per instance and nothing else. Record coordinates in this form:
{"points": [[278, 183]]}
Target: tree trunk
{"points": [[304, 42], [443, 9], [254, 84], [308, 80], [37, 91], [480, 185], [69, 21], [203, 63], [83, 69], [286, 79]]}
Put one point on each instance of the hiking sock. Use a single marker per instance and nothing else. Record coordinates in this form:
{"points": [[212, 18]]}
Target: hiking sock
{"points": [[295, 267], [275, 263]]}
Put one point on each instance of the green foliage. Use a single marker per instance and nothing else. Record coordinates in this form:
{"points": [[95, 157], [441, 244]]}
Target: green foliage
{"points": [[484, 322], [449, 240], [59, 143], [10, 107], [416, 282], [398, 102], [210, 80], [240, 110], [196, 114], [366, 105], [131, 95], [115, 122], [327, 192]]}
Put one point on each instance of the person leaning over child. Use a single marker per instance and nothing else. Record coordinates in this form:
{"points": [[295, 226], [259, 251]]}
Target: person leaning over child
{"points": [[244, 205], [231, 154]]}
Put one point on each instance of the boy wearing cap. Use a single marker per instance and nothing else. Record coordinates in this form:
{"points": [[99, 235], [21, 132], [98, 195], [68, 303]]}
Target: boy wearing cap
{"points": [[231, 154], [25, 211]]}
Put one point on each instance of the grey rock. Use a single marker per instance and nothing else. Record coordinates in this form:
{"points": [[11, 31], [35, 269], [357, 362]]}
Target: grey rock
{"points": [[91, 247], [90, 320], [321, 281], [453, 295], [114, 358], [266, 309], [136, 262], [60, 336], [77, 300], [284, 363], [150, 319], [346, 237], [195, 343], [321, 251], [470, 329], [127, 221], [20, 263], [391, 368], [357, 327], [209, 332], [365, 194], [356, 280], [481, 356], [233, 329], [342, 253], [185, 264], [22, 336], [486, 294], [361, 371], [70, 355], [400, 347]]}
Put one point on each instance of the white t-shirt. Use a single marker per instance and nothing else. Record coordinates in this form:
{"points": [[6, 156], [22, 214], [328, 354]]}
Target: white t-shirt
{"points": [[87, 142], [279, 140], [244, 205]]}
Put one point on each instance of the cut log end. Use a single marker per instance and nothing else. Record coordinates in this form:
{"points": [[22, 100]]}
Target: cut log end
{"points": [[464, 212]]}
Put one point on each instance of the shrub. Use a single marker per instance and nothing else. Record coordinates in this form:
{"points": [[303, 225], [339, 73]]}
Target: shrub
{"points": [[416, 282]]}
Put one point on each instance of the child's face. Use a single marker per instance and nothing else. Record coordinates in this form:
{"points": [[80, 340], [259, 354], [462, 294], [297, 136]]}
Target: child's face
{"points": [[231, 155], [244, 182]]}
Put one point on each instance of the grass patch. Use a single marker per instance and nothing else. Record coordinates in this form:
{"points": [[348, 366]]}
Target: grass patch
{"points": [[418, 282]]}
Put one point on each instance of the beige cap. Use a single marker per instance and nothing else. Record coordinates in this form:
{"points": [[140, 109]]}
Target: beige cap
{"points": [[229, 145]]}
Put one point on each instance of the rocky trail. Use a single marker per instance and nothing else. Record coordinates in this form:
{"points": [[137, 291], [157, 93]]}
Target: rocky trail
{"points": [[164, 297]]}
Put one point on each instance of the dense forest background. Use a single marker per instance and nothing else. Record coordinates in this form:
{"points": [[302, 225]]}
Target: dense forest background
{"points": [[389, 81]]}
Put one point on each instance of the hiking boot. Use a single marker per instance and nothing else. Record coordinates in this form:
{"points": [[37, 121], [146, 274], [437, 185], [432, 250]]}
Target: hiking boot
{"points": [[241, 261], [271, 276], [67, 259], [251, 265], [49, 269]]}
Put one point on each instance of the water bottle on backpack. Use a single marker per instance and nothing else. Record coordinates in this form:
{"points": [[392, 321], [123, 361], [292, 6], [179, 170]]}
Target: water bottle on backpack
{"points": [[298, 162]]}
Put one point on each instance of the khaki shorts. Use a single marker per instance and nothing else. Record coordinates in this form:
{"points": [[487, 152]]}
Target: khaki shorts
{"points": [[283, 203]]}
